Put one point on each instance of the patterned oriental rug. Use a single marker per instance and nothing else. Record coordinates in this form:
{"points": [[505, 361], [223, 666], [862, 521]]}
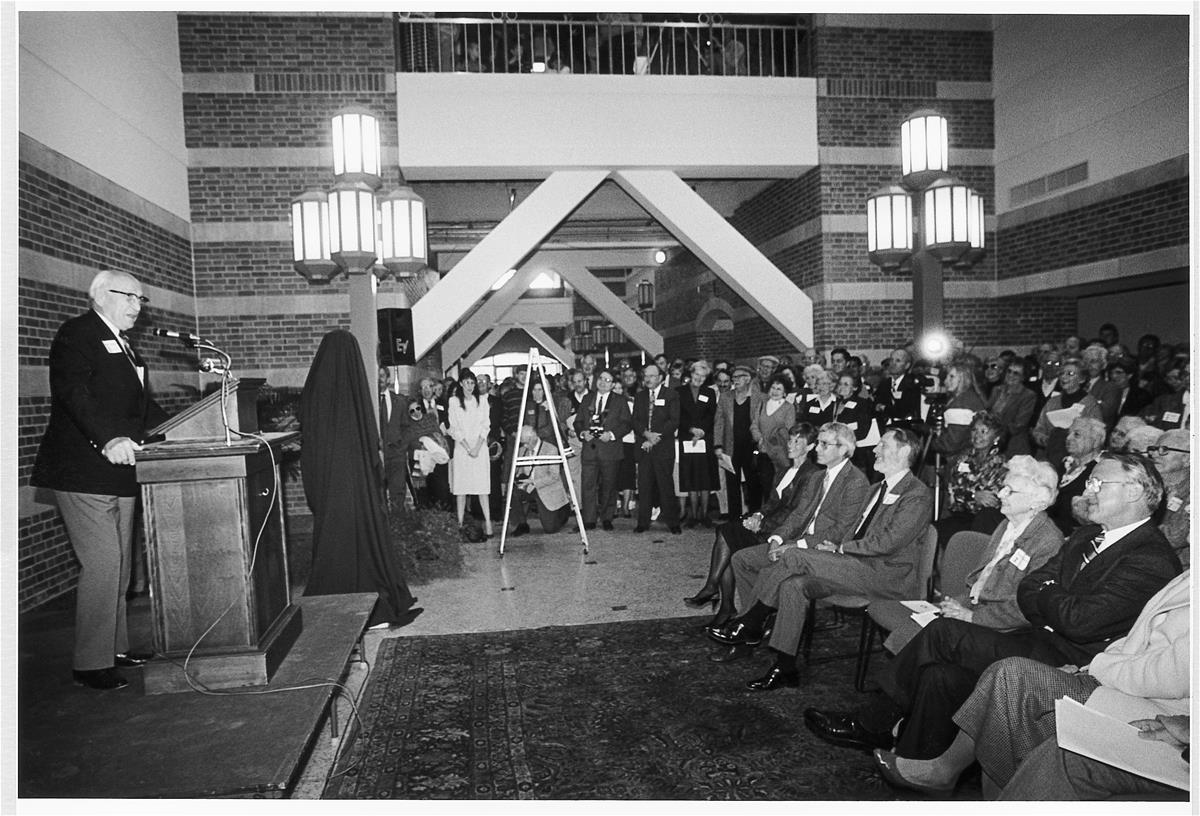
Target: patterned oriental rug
{"points": [[629, 710]]}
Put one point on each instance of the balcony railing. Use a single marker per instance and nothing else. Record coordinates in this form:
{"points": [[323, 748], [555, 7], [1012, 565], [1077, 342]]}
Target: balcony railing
{"points": [[615, 43]]}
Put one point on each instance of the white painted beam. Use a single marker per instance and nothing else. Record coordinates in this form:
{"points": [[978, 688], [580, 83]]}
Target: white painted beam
{"points": [[502, 249], [723, 249], [490, 313], [473, 356], [548, 343], [611, 306]]}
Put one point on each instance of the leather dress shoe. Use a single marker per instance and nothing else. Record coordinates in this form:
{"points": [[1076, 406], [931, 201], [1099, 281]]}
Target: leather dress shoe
{"points": [[606, 525], [591, 526], [675, 530], [519, 530], [100, 679], [639, 529], [131, 660], [885, 763], [734, 631], [731, 653], [774, 679], [845, 730]]}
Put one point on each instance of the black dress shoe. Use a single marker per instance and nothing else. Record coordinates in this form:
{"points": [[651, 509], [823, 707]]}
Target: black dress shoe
{"points": [[675, 530], [131, 660], [519, 530], [845, 730], [100, 679], [735, 652], [606, 525], [639, 529], [774, 679], [591, 526], [735, 632]]}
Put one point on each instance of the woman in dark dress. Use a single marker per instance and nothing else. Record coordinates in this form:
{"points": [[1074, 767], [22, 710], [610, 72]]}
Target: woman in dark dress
{"points": [[627, 473], [343, 483], [697, 470]]}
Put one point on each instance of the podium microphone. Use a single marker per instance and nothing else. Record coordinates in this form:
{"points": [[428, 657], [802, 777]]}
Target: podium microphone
{"points": [[184, 336]]}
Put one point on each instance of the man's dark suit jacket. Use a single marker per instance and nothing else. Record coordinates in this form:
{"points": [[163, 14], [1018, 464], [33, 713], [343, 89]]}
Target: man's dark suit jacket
{"points": [[616, 418], [1166, 412], [1078, 613], [891, 410], [95, 396], [840, 512], [778, 506], [665, 421]]}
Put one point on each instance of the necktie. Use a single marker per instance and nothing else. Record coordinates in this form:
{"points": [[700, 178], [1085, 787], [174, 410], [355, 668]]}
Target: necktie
{"points": [[650, 415], [600, 407], [1092, 550], [130, 354], [876, 500], [812, 522]]}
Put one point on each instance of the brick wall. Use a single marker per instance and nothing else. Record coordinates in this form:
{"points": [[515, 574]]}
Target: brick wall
{"points": [[266, 43], [1151, 218], [58, 220], [903, 54]]}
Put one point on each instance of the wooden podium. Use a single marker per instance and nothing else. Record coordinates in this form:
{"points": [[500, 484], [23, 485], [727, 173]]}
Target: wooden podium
{"points": [[207, 493]]}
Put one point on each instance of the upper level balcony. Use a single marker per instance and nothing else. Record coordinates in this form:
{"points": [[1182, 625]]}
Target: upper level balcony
{"points": [[512, 97], [706, 44]]}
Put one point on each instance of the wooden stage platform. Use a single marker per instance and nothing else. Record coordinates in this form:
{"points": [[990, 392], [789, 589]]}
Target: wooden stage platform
{"points": [[76, 742]]}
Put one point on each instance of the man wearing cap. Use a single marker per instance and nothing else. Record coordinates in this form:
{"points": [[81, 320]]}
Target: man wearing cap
{"points": [[766, 370], [736, 409]]}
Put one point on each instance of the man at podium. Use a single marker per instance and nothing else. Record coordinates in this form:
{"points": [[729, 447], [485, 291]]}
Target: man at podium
{"points": [[100, 408]]}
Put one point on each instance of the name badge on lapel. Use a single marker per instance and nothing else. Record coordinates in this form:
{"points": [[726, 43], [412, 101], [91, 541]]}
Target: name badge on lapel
{"points": [[113, 347], [1170, 416], [890, 498], [660, 402], [703, 397], [1019, 559]]}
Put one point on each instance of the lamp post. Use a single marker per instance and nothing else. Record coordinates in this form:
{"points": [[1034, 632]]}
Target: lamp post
{"points": [[347, 229], [947, 219]]}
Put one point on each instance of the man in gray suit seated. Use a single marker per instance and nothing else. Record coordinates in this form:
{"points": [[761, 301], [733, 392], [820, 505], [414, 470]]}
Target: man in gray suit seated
{"points": [[877, 555]]}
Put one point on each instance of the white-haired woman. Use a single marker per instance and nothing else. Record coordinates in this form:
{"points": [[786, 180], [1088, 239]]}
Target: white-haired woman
{"points": [[820, 406], [1085, 441], [1025, 540]]}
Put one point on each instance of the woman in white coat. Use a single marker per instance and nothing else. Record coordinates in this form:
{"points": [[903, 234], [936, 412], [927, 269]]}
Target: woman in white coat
{"points": [[470, 468]]}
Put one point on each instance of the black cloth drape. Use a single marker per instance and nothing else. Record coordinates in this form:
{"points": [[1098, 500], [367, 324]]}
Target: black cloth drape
{"points": [[343, 483]]}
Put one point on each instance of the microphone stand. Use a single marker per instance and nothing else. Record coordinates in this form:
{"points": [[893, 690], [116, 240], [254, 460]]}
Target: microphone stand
{"points": [[222, 367]]}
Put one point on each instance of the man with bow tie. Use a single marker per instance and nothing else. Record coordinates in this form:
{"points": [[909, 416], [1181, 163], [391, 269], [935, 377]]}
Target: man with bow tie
{"points": [[1083, 598], [100, 412], [601, 421]]}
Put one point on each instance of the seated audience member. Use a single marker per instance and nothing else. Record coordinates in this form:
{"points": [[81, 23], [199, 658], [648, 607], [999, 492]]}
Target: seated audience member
{"points": [[1172, 455], [769, 427], [994, 369], [1025, 540], [540, 484], [1085, 441], [1081, 599], [1050, 432], [790, 489], [973, 478], [1118, 438], [877, 555], [1046, 384], [1013, 403], [1008, 722], [954, 433], [1172, 410], [1131, 398], [1140, 438], [1106, 393], [601, 422]]}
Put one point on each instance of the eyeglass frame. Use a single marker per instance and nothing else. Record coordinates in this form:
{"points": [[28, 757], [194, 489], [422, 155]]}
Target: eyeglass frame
{"points": [[142, 299], [1162, 449], [1094, 483]]}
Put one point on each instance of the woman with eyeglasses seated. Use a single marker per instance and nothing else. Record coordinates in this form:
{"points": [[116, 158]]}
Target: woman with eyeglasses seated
{"points": [[1172, 455], [1025, 539], [973, 479], [1013, 404], [994, 371], [1085, 443], [1060, 410]]}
